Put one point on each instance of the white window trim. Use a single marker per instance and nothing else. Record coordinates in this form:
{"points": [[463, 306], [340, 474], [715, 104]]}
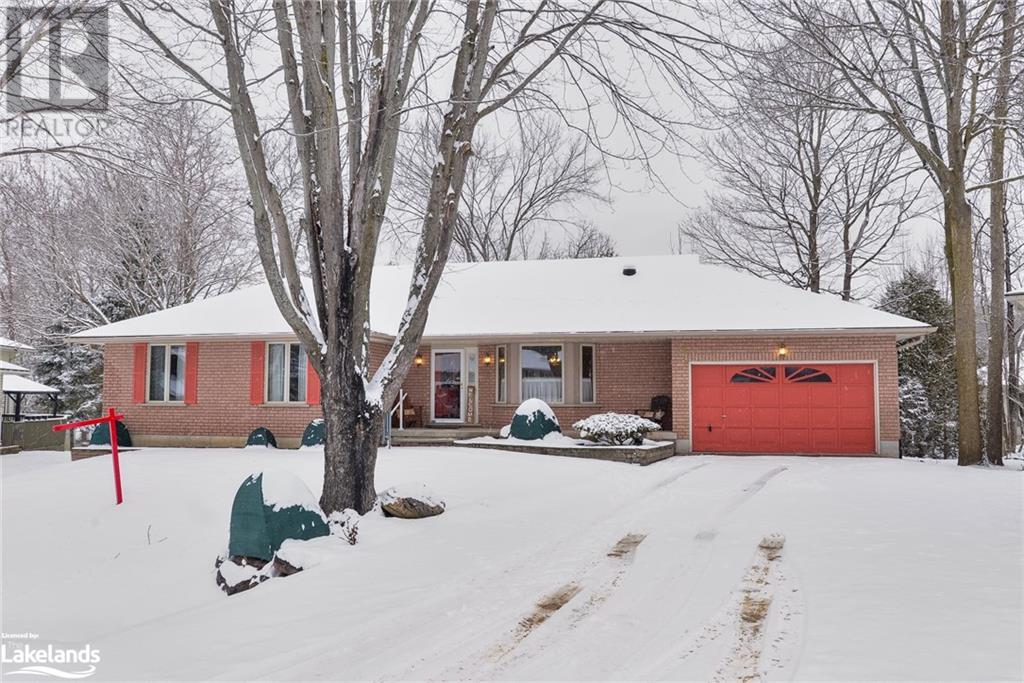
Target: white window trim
{"points": [[497, 377], [266, 376], [561, 353], [167, 373], [593, 370]]}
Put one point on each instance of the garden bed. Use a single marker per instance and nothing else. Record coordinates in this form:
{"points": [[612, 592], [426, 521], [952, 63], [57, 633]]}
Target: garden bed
{"points": [[559, 444]]}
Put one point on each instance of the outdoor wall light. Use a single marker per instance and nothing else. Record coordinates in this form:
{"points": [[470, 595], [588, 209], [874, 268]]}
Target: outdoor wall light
{"points": [[419, 359], [488, 359], [783, 351]]}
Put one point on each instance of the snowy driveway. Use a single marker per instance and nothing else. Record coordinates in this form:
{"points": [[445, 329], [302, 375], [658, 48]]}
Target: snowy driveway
{"points": [[542, 568]]}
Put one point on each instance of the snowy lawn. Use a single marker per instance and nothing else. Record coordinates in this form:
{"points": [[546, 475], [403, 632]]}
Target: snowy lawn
{"points": [[541, 567]]}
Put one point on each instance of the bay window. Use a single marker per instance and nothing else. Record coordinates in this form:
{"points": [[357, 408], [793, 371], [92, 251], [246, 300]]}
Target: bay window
{"points": [[541, 372], [587, 373], [501, 367]]}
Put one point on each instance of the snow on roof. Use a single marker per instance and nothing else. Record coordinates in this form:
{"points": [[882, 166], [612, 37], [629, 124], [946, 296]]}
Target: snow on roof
{"points": [[6, 343], [24, 385], [1016, 295], [11, 367], [668, 294]]}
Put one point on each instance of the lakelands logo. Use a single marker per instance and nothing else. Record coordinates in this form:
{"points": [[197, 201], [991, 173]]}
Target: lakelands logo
{"points": [[36, 659]]}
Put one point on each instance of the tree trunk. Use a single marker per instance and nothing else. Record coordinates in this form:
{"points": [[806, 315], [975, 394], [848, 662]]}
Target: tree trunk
{"points": [[958, 226], [996, 346], [352, 434], [1012, 357]]}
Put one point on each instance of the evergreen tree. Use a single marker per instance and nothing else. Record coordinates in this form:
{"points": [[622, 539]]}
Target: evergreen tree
{"points": [[74, 369], [927, 372]]}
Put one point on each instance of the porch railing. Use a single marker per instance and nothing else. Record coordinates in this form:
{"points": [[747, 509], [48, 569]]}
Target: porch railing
{"points": [[385, 438]]}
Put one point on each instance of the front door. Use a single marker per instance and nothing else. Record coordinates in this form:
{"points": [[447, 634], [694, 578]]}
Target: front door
{"points": [[449, 399]]}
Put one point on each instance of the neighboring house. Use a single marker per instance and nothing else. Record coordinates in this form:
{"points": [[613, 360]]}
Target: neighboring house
{"points": [[15, 389], [749, 365]]}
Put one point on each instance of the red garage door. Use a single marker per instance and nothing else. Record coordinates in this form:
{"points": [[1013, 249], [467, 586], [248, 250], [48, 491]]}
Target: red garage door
{"points": [[787, 408]]}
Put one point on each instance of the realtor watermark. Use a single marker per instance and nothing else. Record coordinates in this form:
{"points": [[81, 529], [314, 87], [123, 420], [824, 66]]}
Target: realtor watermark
{"points": [[26, 655], [56, 74]]}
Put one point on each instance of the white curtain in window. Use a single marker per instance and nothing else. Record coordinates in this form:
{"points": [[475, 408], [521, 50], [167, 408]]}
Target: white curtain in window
{"points": [[275, 372]]}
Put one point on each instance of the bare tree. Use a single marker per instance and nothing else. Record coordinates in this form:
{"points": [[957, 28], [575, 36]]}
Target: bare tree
{"points": [[518, 189], [122, 244], [584, 241], [923, 70], [994, 446], [373, 63], [810, 196]]}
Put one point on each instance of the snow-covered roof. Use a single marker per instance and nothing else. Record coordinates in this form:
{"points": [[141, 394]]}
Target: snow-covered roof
{"points": [[11, 367], [667, 295], [1015, 296], [6, 343], [24, 385]]}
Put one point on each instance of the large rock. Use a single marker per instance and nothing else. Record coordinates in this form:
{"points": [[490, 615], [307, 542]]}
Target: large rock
{"points": [[413, 503], [533, 420], [270, 508]]}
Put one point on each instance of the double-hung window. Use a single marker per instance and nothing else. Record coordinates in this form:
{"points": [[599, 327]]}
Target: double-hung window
{"points": [[587, 373], [166, 373], [501, 367], [286, 373], [541, 372]]}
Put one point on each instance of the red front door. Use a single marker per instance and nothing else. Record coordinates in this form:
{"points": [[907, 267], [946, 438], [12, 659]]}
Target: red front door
{"points": [[783, 408]]}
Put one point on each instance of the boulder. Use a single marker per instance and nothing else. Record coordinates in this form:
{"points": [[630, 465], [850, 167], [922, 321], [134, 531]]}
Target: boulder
{"points": [[410, 504], [261, 436], [533, 420], [237, 574], [269, 508]]}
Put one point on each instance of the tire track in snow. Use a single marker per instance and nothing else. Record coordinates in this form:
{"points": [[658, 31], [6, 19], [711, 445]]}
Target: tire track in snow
{"points": [[321, 650], [700, 550], [600, 582]]}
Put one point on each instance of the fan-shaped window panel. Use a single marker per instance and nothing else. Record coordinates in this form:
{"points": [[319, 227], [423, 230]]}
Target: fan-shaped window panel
{"points": [[797, 373], [753, 375]]}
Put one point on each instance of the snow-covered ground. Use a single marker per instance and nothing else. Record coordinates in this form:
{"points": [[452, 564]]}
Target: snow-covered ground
{"points": [[890, 570]]}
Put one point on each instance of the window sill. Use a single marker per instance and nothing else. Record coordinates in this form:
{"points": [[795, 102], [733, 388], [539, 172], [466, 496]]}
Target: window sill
{"points": [[285, 404]]}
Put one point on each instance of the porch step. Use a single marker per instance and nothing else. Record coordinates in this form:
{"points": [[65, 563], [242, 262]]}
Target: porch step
{"points": [[437, 436]]}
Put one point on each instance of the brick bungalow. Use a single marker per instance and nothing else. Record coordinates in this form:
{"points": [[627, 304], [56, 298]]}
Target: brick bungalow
{"points": [[749, 366]]}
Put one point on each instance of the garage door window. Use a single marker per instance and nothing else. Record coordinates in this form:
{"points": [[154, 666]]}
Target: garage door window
{"points": [[747, 375], [796, 373]]}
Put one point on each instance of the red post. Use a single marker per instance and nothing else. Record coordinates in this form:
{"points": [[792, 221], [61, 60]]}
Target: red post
{"points": [[112, 416], [111, 420]]}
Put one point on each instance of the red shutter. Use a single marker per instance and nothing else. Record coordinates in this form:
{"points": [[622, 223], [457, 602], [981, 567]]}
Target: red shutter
{"points": [[312, 385], [140, 352], [191, 373], [256, 373]]}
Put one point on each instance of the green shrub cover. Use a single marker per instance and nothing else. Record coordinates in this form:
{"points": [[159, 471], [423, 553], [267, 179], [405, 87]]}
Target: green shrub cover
{"points": [[533, 420], [315, 434], [101, 435], [261, 436], [259, 524]]}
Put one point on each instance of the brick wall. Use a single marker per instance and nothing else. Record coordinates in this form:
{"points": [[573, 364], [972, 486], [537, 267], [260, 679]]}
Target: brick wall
{"points": [[628, 374], [817, 348]]}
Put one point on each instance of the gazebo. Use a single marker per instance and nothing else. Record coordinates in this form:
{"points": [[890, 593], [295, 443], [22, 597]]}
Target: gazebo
{"points": [[17, 387]]}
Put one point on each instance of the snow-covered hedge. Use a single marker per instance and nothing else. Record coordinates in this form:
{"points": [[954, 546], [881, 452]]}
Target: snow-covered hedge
{"points": [[615, 428], [533, 420]]}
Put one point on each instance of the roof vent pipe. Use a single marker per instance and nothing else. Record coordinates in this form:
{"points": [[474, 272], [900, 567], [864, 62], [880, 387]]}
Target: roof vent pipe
{"points": [[629, 271]]}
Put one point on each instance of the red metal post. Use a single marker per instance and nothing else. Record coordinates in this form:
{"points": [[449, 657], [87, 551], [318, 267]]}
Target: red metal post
{"points": [[111, 420], [112, 416]]}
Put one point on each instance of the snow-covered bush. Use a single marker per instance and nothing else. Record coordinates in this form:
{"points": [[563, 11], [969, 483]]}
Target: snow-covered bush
{"points": [[533, 420], [616, 429]]}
